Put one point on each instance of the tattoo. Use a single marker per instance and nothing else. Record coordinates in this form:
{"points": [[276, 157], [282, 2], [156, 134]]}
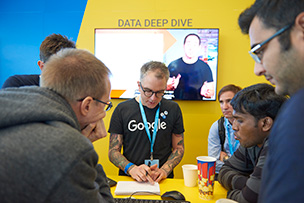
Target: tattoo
{"points": [[115, 141], [115, 155], [167, 172], [176, 155], [180, 142]]}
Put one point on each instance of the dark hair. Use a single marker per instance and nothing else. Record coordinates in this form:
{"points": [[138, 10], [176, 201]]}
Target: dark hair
{"points": [[259, 100], [274, 14], [193, 34], [228, 88], [52, 44]]}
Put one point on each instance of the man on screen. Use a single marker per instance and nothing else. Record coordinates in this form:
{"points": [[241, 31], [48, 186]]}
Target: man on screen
{"points": [[191, 78]]}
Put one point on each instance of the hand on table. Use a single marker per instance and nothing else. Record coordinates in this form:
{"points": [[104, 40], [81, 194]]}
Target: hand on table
{"points": [[142, 173], [158, 174]]}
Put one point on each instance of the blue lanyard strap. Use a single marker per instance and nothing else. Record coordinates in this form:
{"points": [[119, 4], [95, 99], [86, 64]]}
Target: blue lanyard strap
{"points": [[231, 148], [143, 115]]}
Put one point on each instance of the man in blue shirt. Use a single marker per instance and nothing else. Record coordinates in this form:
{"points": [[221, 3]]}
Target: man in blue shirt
{"points": [[276, 31], [216, 148]]}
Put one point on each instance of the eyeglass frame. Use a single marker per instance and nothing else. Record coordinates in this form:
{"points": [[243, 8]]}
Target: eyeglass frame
{"points": [[253, 52], [158, 92], [109, 104]]}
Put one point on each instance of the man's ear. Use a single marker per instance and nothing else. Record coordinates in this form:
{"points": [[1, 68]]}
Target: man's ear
{"points": [[40, 64], [85, 106], [267, 123], [299, 23]]}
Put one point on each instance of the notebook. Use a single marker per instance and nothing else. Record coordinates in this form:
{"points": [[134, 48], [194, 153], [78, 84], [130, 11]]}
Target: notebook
{"points": [[143, 188]]}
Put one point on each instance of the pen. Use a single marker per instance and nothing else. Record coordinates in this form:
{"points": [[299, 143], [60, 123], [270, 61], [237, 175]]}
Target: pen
{"points": [[149, 164]]}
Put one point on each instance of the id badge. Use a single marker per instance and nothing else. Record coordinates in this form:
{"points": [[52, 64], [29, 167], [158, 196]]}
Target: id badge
{"points": [[150, 162]]}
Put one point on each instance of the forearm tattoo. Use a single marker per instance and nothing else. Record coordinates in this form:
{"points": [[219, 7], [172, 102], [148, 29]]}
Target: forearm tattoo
{"points": [[176, 155], [115, 155]]}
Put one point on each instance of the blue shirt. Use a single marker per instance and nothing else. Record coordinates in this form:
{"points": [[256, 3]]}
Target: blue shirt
{"points": [[283, 173], [214, 142]]}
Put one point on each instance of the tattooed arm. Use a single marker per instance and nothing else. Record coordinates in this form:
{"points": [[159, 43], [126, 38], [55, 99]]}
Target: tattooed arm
{"points": [[138, 173], [173, 160], [115, 155]]}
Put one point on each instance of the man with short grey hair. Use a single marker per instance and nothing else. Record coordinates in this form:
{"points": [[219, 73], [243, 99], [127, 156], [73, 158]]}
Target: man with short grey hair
{"points": [[44, 155]]}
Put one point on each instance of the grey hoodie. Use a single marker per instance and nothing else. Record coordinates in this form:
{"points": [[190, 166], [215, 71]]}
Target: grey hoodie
{"points": [[43, 155]]}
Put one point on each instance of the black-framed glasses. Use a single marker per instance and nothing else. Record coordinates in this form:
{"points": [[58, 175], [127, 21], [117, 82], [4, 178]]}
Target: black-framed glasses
{"points": [[149, 93], [255, 51], [108, 106]]}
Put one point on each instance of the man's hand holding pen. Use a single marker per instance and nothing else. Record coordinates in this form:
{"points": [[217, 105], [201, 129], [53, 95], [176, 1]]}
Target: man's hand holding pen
{"points": [[143, 173], [149, 164]]}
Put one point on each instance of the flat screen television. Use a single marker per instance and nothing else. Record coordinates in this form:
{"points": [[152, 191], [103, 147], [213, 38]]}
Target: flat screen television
{"points": [[124, 51]]}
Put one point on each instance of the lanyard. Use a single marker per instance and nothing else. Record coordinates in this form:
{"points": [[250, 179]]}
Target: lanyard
{"points": [[143, 115], [231, 148]]}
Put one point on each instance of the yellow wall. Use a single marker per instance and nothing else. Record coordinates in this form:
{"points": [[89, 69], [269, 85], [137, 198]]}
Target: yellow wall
{"points": [[234, 65]]}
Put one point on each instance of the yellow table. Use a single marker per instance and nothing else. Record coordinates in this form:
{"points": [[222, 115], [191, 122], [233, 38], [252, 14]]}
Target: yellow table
{"points": [[190, 193]]}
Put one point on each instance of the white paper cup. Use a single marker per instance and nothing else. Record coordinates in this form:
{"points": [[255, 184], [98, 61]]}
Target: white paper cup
{"points": [[190, 175]]}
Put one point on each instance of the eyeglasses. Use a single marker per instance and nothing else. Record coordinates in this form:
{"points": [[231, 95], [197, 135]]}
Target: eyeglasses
{"points": [[149, 93], [255, 52], [108, 106]]}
